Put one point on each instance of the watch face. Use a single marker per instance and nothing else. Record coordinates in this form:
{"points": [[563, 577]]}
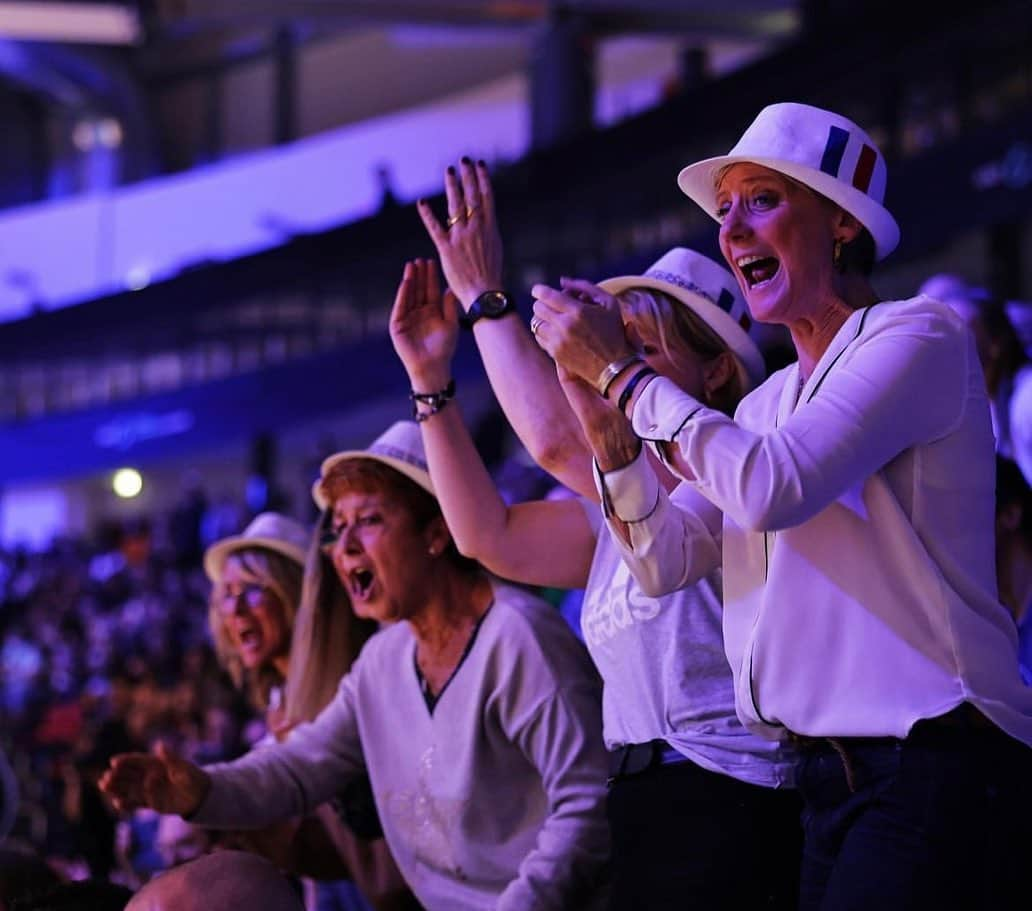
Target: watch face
{"points": [[493, 303]]}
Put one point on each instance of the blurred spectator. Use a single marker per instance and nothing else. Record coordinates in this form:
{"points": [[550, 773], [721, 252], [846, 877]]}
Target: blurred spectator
{"points": [[1020, 315], [1005, 365], [180, 841], [104, 649]]}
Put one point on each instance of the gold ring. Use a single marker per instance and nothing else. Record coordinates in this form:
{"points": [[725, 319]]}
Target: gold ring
{"points": [[535, 324], [453, 220], [470, 210]]}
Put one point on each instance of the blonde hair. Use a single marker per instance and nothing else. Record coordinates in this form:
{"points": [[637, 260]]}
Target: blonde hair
{"points": [[282, 577], [328, 636], [671, 326]]}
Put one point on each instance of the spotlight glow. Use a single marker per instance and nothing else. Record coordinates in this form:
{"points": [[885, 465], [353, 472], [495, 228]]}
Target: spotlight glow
{"points": [[127, 483]]}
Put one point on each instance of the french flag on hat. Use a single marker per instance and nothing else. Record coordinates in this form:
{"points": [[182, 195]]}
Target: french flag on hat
{"points": [[820, 149]]}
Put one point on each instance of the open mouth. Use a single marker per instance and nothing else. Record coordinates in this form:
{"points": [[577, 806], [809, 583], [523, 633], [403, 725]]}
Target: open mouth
{"points": [[249, 638], [360, 581], [758, 270]]}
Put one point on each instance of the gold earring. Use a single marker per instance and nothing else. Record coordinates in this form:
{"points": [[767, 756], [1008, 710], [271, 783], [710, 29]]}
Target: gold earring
{"points": [[836, 255]]}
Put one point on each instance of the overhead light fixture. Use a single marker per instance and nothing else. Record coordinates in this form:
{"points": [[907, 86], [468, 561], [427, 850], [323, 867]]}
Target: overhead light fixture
{"points": [[127, 483], [76, 23]]}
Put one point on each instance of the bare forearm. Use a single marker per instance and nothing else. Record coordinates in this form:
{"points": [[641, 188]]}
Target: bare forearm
{"points": [[524, 382], [612, 441], [473, 509]]}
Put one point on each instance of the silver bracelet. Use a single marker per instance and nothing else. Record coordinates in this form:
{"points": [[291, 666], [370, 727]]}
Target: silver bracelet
{"points": [[611, 371]]}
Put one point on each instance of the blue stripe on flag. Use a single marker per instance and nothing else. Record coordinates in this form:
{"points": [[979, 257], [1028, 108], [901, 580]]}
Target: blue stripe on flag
{"points": [[834, 150]]}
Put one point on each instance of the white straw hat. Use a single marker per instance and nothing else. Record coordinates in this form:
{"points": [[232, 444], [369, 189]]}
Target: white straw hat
{"points": [[400, 446], [711, 293], [270, 530], [825, 151]]}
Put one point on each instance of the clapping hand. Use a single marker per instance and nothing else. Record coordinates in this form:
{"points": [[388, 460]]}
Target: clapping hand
{"points": [[580, 326], [469, 244], [424, 326]]}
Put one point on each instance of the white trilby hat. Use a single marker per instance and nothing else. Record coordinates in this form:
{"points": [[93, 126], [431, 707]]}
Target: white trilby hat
{"points": [[711, 293], [270, 530], [400, 446], [824, 151]]}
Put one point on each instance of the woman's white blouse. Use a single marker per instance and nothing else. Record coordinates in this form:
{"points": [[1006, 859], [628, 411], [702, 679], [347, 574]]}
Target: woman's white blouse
{"points": [[859, 574]]}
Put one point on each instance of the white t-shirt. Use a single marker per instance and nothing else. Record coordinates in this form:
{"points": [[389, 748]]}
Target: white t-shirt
{"points": [[664, 669]]}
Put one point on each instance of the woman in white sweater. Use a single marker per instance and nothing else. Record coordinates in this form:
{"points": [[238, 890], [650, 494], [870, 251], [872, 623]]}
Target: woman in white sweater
{"points": [[474, 712]]}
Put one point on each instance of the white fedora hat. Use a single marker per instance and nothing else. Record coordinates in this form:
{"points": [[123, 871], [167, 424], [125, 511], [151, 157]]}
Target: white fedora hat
{"points": [[270, 530], [400, 446], [711, 293], [824, 151]]}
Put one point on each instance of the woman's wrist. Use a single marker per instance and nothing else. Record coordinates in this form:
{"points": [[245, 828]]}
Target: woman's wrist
{"points": [[613, 443], [430, 379]]}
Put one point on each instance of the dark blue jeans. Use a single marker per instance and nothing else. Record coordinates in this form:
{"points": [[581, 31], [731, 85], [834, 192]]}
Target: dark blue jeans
{"points": [[687, 838], [940, 820]]}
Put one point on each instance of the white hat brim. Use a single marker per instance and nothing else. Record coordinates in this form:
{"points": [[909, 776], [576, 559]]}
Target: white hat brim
{"points": [[699, 182], [215, 556], [412, 472], [734, 336]]}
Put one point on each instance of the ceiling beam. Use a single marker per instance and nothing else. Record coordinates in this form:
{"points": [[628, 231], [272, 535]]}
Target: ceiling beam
{"points": [[744, 19], [70, 23]]}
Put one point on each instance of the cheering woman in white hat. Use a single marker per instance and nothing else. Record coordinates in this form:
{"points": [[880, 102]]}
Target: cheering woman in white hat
{"points": [[474, 711], [861, 616]]}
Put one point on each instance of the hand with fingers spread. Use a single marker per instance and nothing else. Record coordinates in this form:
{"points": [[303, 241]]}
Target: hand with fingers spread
{"points": [[469, 243], [163, 781], [580, 326], [424, 326]]}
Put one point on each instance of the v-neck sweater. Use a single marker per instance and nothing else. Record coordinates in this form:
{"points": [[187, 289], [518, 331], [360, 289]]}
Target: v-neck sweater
{"points": [[495, 800]]}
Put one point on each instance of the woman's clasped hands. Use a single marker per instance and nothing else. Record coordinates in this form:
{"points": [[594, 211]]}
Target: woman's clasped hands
{"points": [[581, 328]]}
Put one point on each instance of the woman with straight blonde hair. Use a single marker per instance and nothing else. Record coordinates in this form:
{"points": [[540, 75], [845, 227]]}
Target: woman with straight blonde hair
{"points": [[291, 659], [256, 586]]}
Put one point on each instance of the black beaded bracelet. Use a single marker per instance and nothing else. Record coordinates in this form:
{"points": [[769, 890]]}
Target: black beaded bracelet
{"points": [[434, 401], [632, 384]]}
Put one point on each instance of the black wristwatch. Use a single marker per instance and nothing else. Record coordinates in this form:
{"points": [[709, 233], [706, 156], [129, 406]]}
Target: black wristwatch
{"points": [[489, 305]]}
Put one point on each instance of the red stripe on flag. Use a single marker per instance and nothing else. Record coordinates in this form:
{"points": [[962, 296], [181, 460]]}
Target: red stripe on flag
{"points": [[864, 168]]}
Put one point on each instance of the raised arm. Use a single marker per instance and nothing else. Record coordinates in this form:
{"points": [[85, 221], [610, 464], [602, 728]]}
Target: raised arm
{"points": [[542, 543], [521, 375]]}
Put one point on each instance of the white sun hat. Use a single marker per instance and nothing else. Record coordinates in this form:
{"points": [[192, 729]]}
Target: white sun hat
{"points": [[400, 446], [270, 530], [711, 293], [822, 150]]}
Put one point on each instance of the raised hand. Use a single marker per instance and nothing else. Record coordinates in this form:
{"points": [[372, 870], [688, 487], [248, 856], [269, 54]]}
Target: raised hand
{"points": [[469, 244], [580, 326], [163, 781], [424, 326]]}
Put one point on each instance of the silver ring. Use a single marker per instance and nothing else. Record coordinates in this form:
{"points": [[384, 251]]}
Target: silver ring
{"points": [[535, 324], [454, 220]]}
